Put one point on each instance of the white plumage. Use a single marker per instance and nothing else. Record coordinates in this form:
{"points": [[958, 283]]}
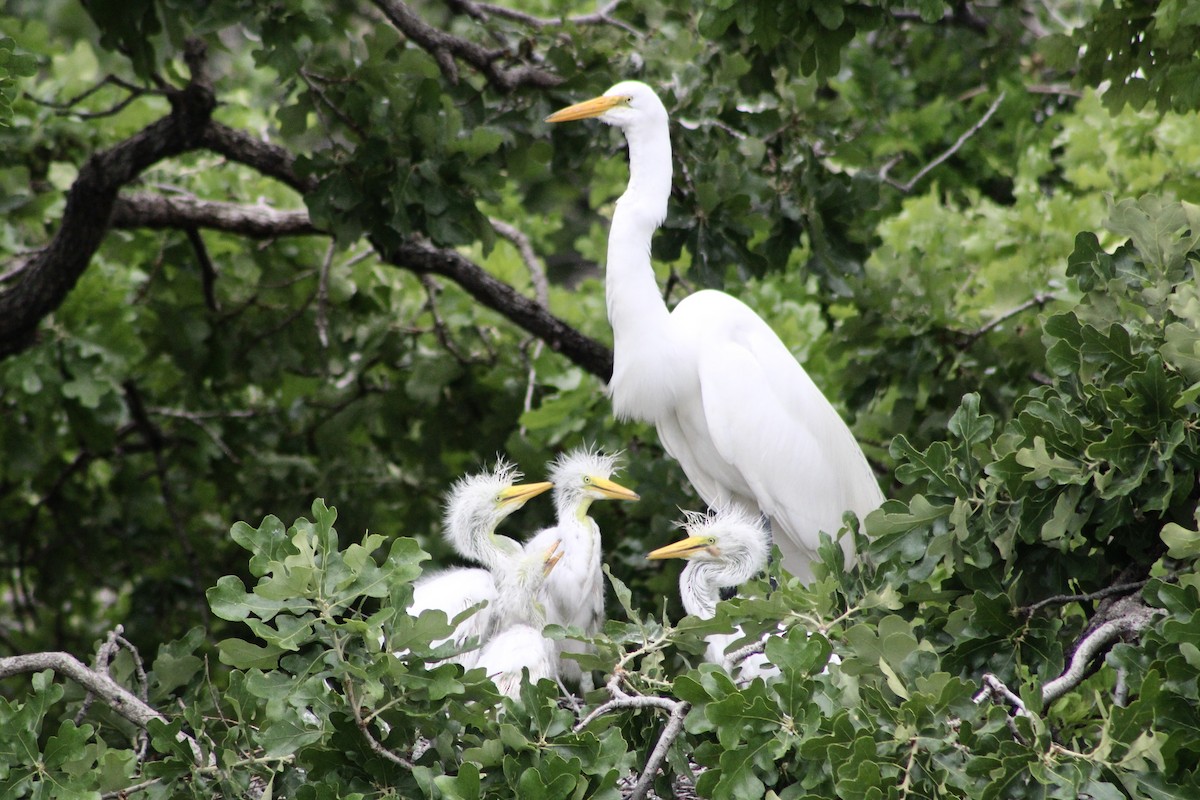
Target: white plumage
{"points": [[574, 593], [725, 548], [475, 507], [518, 644], [730, 402]]}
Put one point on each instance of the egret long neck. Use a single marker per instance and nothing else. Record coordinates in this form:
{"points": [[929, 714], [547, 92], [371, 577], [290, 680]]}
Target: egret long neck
{"points": [[699, 590], [635, 306]]}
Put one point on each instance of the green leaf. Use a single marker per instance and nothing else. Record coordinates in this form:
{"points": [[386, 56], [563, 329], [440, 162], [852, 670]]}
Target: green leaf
{"points": [[968, 424], [1181, 543], [241, 654]]}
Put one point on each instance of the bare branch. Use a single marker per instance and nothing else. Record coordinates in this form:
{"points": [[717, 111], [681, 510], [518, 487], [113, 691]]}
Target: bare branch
{"points": [[620, 699], [1063, 599], [44, 282], [954, 148], [421, 257], [145, 210], [1037, 301], [1128, 617], [670, 732], [602, 16], [323, 296], [994, 690], [375, 745], [537, 272], [264, 157], [116, 696], [208, 271], [446, 48]]}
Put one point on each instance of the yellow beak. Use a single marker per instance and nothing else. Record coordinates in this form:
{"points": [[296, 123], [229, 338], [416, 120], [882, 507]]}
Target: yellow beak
{"points": [[681, 549], [519, 494], [613, 490], [588, 108], [553, 555]]}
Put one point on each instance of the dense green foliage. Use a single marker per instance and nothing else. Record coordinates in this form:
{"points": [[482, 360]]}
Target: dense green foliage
{"points": [[981, 247]]}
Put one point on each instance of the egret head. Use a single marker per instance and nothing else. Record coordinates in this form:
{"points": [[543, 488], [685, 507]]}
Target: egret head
{"points": [[734, 540], [628, 104], [584, 475], [481, 502]]}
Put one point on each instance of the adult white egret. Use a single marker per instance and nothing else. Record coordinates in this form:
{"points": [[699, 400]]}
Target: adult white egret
{"points": [[724, 548], [729, 400], [475, 507], [518, 643], [574, 593]]}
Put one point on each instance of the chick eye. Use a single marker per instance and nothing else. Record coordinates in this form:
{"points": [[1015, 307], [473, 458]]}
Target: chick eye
{"points": [[587, 479]]}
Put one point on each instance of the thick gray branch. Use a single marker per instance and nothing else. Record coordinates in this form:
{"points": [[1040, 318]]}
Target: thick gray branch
{"points": [[118, 698], [1129, 617], [40, 285], [264, 157], [145, 210]]}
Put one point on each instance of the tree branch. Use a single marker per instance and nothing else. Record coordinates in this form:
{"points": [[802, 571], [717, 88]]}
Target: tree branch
{"points": [[136, 210], [423, 258], [118, 698], [620, 699], [39, 284], [1128, 616], [602, 16], [146, 210], [445, 48], [45, 280], [954, 148]]}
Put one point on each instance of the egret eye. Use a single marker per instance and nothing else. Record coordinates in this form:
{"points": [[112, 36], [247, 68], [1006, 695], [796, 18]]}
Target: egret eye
{"points": [[587, 479]]}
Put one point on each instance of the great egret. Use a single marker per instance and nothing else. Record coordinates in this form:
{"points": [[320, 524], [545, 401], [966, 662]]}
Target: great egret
{"points": [[724, 548], [518, 643], [574, 593], [729, 400], [475, 507]]}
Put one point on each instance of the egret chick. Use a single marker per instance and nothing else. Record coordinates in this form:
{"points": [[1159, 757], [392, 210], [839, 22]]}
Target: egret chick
{"points": [[729, 400], [518, 643], [724, 548], [574, 593], [475, 507]]}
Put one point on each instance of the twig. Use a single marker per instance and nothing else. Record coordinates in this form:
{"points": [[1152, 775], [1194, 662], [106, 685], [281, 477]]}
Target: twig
{"points": [[439, 327], [954, 148], [445, 48], [104, 656], [68, 106], [993, 687], [323, 296], [154, 438], [126, 791], [620, 699], [541, 290], [375, 745], [208, 272], [324, 100], [1037, 301], [1100, 594], [537, 272]]}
